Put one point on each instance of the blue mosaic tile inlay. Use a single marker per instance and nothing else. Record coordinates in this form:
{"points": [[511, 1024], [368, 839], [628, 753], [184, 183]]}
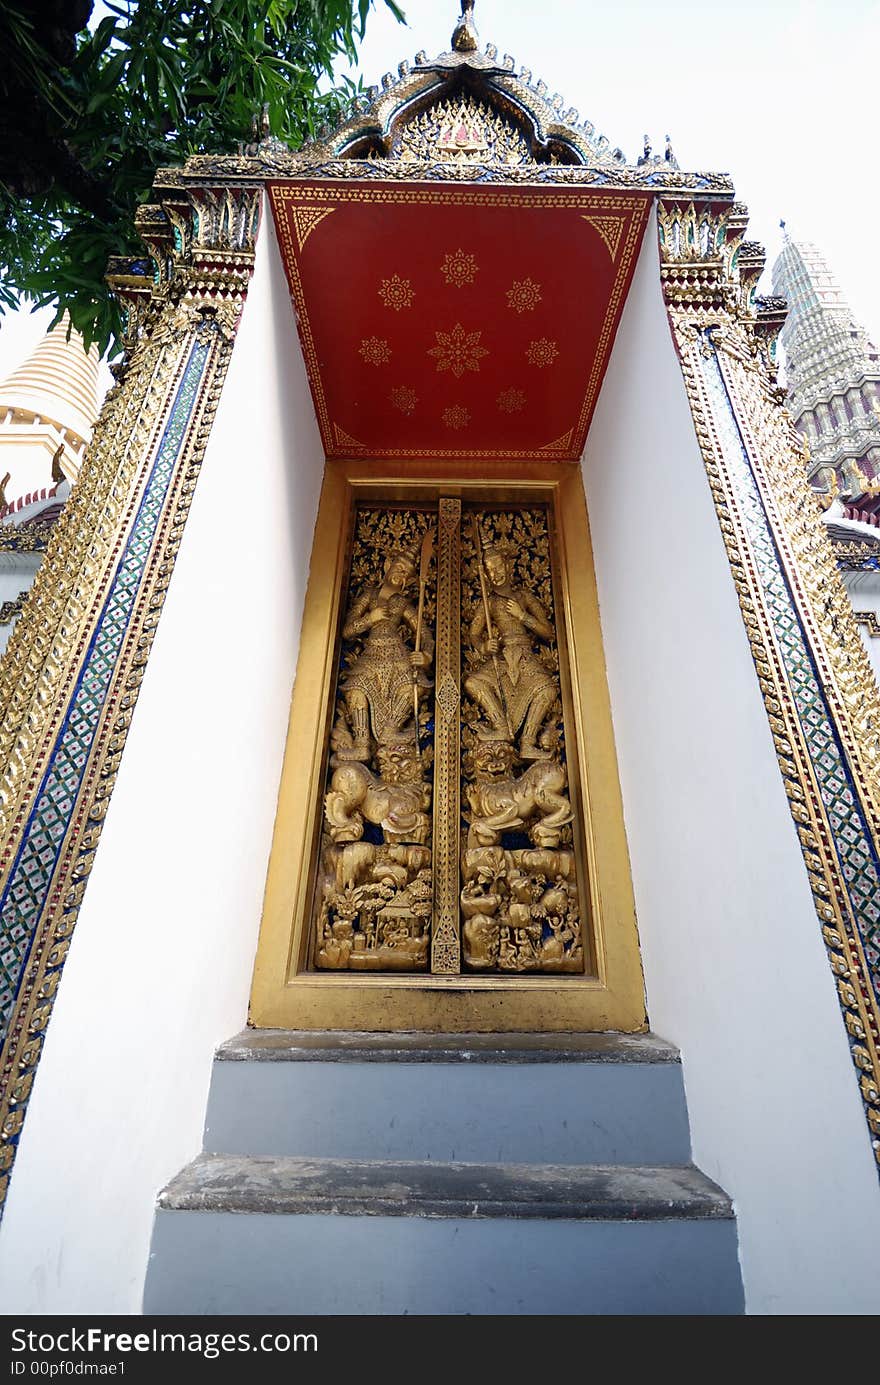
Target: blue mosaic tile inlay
{"points": [[23, 900]]}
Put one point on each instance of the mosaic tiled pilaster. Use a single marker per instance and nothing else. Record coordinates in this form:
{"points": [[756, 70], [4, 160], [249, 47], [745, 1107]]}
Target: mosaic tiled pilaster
{"points": [[59, 820], [23, 896], [824, 736]]}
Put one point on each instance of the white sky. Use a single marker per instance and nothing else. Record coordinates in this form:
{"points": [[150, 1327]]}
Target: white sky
{"points": [[782, 95]]}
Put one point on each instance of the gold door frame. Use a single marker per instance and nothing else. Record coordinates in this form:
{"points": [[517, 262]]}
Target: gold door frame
{"points": [[286, 993]]}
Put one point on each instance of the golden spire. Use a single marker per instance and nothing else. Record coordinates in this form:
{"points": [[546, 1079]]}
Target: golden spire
{"points": [[464, 35], [57, 383]]}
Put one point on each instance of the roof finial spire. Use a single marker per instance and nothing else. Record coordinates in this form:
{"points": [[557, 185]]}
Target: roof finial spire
{"points": [[464, 35]]}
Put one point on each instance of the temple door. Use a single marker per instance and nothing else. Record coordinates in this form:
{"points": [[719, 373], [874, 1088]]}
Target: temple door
{"points": [[447, 842]]}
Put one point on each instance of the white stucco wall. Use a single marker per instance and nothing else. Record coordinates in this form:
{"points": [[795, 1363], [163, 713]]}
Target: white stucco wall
{"points": [[160, 967], [735, 969]]}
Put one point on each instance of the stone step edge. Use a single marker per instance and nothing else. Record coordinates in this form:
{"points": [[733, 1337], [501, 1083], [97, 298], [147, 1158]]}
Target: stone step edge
{"points": [[587, 1192], [337, 1046]]}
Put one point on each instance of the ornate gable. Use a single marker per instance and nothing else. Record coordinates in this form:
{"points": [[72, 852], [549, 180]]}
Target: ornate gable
{"points": [[466, 115]]}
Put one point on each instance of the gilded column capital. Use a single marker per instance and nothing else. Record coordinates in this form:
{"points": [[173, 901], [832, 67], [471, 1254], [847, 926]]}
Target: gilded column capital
{"points": [[199, 244]]}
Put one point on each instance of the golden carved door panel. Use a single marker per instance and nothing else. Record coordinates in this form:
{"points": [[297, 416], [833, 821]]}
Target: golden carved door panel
{"points": [[449, 847], [372, 907], [449, 698]]}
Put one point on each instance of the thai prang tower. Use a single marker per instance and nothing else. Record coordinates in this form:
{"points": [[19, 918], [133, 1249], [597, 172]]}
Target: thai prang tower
{"points": [[833, 374]]}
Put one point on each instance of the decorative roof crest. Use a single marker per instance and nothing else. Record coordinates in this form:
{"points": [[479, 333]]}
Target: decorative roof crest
{"points": [[505, 127]]}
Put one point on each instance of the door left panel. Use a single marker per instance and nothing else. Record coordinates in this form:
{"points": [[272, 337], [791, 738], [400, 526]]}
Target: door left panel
{"points": [[372, 901]]}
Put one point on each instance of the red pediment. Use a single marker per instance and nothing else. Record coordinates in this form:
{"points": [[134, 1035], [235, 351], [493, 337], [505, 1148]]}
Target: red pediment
{"points": [[461, 321]]}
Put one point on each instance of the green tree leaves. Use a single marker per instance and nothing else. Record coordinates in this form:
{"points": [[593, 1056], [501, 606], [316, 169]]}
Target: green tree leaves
{"points": [[87, 116]]}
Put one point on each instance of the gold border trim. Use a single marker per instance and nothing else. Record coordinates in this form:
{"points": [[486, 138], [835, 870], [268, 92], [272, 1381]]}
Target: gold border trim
{"points": [[284, 993]]}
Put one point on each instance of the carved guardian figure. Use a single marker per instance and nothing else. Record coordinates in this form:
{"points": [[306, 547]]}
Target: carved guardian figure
{"points": [[378, 685], [512, 687]]}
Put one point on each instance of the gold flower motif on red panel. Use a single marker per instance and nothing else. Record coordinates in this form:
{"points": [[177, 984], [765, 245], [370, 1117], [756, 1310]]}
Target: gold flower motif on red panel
{"points": [[458, 350], [375, 350], [403, 398], [511, 401], [456, 417], [542, 352], [396, 293], [524, 295], [459, 268]]}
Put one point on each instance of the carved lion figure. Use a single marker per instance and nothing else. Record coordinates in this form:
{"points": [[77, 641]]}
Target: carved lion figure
{"points": [[356, 795], [504, 805]]}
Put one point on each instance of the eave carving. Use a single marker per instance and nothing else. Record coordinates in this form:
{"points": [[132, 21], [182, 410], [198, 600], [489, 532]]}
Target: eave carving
{"points": [[215, 170]]}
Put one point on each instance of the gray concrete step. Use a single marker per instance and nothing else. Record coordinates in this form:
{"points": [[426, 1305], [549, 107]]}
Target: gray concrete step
{"points": [[551, 1098], [341, 1236]]}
